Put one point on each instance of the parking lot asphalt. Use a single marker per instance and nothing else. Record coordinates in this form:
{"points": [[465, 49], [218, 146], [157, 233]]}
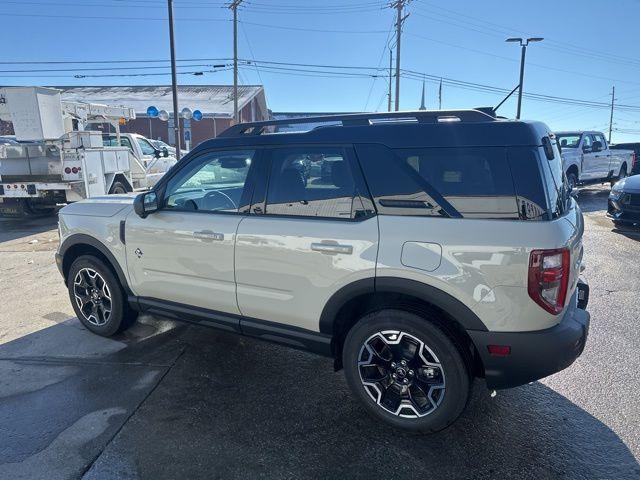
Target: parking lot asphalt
{"points": [[167, 400]]}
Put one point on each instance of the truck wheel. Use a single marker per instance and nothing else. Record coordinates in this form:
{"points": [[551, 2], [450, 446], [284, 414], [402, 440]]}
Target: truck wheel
{"points": [[97, 297], [406, 371], [572, 180], [117, 188], [623, 174]]}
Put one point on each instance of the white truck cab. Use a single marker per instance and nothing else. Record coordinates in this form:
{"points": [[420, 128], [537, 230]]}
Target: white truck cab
{"points": [[149, 164]]}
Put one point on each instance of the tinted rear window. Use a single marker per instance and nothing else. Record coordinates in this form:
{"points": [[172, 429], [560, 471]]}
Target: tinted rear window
{"points": [[475, 181]]}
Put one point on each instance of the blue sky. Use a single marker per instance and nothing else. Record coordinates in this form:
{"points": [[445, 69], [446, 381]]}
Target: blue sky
{"points": [[589, 46]]}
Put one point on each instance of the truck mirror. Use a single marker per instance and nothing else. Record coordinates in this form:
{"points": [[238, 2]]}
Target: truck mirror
{"points": [[145, 203], [597, 146], [157, 153], [165, 152]]}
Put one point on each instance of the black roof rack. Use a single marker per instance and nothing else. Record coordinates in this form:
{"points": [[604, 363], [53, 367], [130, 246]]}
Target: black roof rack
{"points": [[363, 119]]}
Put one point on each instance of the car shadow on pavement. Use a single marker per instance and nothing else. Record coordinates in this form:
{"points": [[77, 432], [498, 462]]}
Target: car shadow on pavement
{"points": [[64, 392], [15, 228], [593, 198], [233, 407]]}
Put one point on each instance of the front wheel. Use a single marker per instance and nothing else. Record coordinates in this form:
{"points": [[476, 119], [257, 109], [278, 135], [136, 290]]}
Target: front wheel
{"points": [[97, 297], [406, 371], [572, 181]]}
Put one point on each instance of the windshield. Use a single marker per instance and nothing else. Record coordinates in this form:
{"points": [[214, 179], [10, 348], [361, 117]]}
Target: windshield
{"points": [[569, 140]]}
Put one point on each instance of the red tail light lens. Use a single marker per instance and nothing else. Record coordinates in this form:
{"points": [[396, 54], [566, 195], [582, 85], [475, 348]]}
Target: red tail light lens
{"points": [[67, 170], [74, 169], [549, 278]]}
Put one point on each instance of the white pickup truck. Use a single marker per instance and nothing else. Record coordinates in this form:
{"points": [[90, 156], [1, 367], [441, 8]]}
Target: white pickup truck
{"points": [[153, 163], [587, 158]]}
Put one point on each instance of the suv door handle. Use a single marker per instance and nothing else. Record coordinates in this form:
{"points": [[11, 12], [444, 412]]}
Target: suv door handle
{"points": [[208, 236], [332, 248]]}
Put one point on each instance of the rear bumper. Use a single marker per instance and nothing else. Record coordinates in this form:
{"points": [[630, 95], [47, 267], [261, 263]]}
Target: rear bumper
{"points": [[535, 354]]}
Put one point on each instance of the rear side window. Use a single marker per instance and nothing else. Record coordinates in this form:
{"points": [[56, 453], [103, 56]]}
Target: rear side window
{"points": [[475, 182], [531, 185], [312, 182]]}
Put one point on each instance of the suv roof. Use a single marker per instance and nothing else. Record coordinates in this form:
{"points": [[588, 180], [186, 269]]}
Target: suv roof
{"points": [[438, 128]]}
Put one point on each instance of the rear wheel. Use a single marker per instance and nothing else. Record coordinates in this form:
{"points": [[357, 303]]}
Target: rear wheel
{"points": [[118, 188], [572, 180], [406, 371], [623, 174], [97, 297]]}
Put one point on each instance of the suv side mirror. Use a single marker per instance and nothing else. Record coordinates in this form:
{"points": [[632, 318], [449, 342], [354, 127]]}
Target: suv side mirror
{"points": [[597, 146], [165, 152], [145, 203]]}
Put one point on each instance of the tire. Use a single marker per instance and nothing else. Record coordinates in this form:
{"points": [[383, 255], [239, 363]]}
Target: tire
{"points": [[623, 174], [94, 290], [118, 188], [440, 390], [572, 180]]}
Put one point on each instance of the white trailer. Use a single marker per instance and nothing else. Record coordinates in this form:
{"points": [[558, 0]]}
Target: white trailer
{"points": [[57, 161]]}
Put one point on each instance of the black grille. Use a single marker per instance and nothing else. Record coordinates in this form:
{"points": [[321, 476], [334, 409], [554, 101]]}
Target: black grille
{"points": [[633, 199]]}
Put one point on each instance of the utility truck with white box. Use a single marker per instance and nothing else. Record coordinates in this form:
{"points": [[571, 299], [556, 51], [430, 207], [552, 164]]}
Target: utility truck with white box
{"points": [[56, 159]]}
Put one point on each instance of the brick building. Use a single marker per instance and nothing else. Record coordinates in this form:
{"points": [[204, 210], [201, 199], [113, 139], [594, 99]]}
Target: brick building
{"points": [[214, 101]]}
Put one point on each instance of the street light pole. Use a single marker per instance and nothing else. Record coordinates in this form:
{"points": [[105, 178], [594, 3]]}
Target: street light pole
{"points": [[523, 44], [174, 82]]}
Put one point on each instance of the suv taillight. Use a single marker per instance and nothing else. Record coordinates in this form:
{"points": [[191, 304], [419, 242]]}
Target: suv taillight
{"points": [[549, 278]]}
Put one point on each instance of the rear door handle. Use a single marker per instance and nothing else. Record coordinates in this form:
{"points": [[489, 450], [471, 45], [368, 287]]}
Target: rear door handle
{"points": [[208, 236], [332, 248]]}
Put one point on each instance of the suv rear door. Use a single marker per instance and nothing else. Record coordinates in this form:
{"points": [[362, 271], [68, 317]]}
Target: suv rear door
{"points": [[311, 232]]}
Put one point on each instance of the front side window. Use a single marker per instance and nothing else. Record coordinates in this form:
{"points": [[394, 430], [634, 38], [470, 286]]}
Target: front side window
{"points": [[145, 147], [213, 182], [587, 143], [312, 182]]}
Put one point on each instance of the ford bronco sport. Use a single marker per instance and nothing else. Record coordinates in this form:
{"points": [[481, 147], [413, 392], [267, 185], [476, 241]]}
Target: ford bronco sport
{"points": [[417, 249]]}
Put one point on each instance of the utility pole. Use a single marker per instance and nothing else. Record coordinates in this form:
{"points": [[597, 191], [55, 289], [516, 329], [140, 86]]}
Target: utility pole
{"points": [[234, 6], [523, 44], [174, 82], [613, 97], [390, 77], [398, 5]]}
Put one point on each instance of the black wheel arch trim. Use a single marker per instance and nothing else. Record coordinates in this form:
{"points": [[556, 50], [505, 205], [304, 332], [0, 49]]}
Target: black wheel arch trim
{"points": [[82, 239], [455, 308]]}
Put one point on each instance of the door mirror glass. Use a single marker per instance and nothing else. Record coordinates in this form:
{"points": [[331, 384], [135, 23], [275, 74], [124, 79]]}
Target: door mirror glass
{"points": [[165, 152], [145, 203]]}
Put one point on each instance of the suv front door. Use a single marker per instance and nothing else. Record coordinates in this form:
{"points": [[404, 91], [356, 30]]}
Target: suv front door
{"points": [[315, 233], [184, 252]]}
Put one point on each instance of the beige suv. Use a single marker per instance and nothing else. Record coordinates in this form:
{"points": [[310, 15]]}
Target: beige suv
{"points": [[418, 250]]}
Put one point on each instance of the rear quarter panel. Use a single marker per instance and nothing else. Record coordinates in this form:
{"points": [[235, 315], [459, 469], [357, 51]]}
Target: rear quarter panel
{"points": [[483, 263]]}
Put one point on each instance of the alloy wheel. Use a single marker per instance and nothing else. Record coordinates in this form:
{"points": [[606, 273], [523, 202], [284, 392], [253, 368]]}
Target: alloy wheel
{"points": [[401, 374], [92, 296]]}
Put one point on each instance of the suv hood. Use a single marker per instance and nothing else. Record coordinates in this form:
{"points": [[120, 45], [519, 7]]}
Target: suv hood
{"points": [[106, 206]]}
